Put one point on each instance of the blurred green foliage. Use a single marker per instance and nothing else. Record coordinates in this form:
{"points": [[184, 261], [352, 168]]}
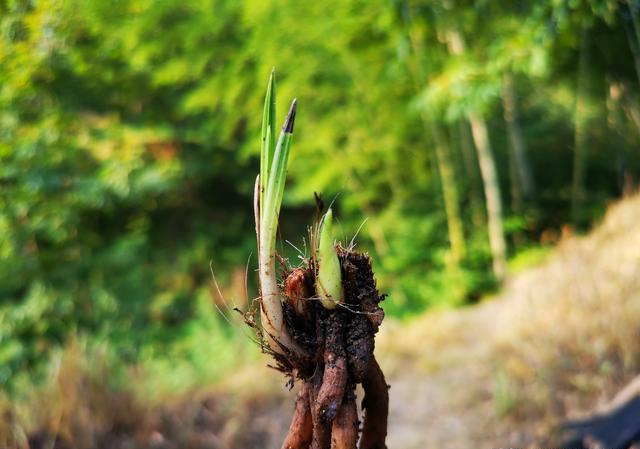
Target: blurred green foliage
{"points": [[129, 147]]}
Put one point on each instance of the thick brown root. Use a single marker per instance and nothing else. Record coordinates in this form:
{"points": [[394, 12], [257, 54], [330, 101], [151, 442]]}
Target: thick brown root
{"points": [[334, 380], [321, 430], [332, 390], [344, 433], [376, 408], [301, 429]]}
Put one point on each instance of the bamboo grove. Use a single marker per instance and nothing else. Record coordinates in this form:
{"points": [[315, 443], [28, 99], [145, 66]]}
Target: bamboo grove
{"points": [[466, 133]]}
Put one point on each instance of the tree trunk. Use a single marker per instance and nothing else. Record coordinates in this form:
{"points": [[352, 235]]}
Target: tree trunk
{"points": [[442, 153], [514, 183], [581, 119], [492, 194], [524, 179], [449, 191], [471, 168], [489, 176]]}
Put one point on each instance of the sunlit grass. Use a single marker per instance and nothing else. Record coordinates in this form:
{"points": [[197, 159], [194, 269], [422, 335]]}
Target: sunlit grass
{"points": [[528, 258]]}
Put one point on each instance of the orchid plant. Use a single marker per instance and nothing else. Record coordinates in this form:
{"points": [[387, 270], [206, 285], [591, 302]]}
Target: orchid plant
{"points": [[318, 325]]}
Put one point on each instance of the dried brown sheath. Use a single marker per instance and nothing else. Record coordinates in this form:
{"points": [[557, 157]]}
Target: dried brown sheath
{"points": [[298, 290]]}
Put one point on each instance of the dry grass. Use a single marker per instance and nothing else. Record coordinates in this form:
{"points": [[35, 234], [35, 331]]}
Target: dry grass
{"points": [[557, 343], [79, 409], [570, 337]]}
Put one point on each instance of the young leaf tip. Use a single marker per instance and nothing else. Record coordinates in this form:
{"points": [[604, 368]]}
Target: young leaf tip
{"points": [[272, 78], [291, 117], [328, 217]]}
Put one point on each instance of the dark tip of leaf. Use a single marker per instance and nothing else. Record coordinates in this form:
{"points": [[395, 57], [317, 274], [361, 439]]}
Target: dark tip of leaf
{"points": [[291, 117]]}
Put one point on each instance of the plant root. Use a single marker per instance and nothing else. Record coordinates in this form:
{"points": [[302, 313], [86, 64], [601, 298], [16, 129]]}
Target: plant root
{"points": [[344, 432], [338, 354], [334, 379], [376, 408], [321, 430], [301, 429]]}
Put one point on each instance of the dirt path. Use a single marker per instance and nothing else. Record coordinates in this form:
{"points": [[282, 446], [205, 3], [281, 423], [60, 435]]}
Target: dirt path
{"points": [[439, 396]]}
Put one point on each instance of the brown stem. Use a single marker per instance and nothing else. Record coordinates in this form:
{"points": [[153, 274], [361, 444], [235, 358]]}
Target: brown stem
{"points": [[301, 429], [376, 408], [344, 433]]}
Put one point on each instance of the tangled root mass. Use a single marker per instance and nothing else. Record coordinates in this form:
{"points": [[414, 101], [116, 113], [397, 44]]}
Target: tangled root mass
{"points": [[340, 345]]}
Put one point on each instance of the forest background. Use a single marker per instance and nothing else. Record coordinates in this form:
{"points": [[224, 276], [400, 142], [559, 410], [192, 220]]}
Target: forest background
{"points": [[463, 138]]}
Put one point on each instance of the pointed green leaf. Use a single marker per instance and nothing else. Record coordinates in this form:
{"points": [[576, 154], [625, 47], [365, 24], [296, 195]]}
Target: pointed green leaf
{"points": [[268, 137], [277, 179]]}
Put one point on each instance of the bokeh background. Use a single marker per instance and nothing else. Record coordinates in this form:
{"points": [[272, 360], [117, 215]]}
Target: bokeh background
{"points": [[461, 141]]}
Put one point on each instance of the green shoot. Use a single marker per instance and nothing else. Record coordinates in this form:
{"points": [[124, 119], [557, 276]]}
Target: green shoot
{"points": [[267, 201], [329, 278]]}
